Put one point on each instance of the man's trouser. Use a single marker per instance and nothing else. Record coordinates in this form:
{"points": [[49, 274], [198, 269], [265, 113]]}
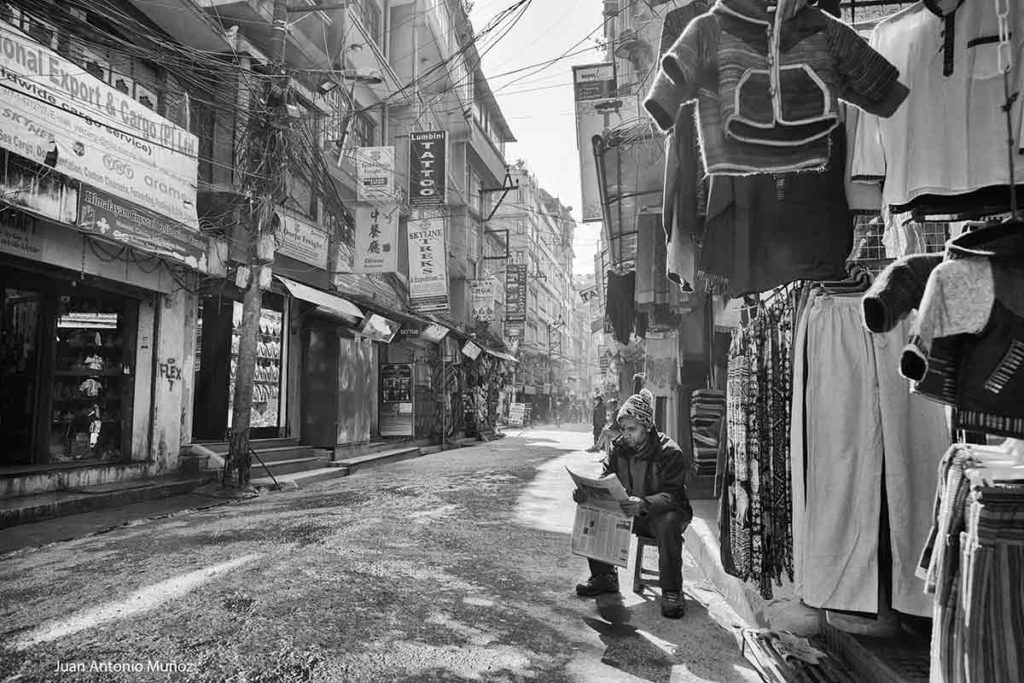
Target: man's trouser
{"points": [[667, 529], [597, 432]]}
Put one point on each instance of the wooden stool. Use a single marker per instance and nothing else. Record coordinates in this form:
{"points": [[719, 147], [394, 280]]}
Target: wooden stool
{"points": [[639, 582]]}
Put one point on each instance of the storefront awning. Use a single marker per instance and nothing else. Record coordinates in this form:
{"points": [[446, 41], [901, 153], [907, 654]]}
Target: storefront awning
{"points": [[502, 355], [329, 302]]}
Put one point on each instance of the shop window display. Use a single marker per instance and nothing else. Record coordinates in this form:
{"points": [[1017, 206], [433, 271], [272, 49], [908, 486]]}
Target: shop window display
{"points": [[92, 378], [266, 394]]}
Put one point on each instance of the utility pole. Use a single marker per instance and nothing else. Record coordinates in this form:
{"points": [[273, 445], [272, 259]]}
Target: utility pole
{"points": [[263, 179]]}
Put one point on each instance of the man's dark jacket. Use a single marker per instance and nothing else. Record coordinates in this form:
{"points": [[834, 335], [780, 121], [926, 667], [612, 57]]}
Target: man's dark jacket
{"points": [[598, 417], [658, 473]]}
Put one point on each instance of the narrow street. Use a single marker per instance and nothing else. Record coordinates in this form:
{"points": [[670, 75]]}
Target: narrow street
{"points": [[454, 566]]}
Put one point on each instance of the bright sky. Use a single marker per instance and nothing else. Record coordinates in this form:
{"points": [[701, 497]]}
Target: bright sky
{"points": [[538, 102]]}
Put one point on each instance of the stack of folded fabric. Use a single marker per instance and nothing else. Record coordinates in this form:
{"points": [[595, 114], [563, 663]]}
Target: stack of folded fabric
{"points": [[707, 409]]}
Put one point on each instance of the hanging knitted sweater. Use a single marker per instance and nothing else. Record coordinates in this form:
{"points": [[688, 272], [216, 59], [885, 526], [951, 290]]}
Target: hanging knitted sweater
{"points": [[767, 84]]}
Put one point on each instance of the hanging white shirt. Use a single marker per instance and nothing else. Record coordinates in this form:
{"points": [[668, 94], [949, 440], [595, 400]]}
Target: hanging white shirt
{"points": [[949, 136]]}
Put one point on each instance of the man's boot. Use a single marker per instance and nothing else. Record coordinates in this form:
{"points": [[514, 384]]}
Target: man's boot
{"points": [[598, 585], [672, 605]]}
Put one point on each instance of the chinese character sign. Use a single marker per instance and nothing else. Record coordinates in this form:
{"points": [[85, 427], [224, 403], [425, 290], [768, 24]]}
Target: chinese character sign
{"points": [[483, 299], [428, 265], [428, 153], [515, 292], [376, 243], [375, 173]]}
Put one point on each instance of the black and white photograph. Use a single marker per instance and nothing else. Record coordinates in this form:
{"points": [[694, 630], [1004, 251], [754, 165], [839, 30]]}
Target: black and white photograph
{"points": [[512, 341]]}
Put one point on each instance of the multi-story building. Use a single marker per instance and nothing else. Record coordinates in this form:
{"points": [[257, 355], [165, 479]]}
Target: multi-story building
{"points": [[122, 279], [540, 236], [655, 326], [101, 241]]}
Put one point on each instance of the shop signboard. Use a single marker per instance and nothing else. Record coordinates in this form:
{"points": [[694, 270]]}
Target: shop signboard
{"points": [[378, 328], [595, 118], [471, 351], [376, 239], [428, 265], [428, 155], [120, 221], [396, 400], [375, 174], [514, 333], [434, 332], [516, 414], [515, 292], [482, 295], [301, 241], [38, 189], [20, 235], [58, 113], [593, 81]]}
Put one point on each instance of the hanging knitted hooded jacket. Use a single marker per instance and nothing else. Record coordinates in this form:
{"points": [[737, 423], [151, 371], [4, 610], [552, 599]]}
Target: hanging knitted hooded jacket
{"points": [[767, 82]]}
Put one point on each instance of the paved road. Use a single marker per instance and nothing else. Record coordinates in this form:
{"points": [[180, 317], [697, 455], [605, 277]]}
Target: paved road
{"points": [[450, 567]]}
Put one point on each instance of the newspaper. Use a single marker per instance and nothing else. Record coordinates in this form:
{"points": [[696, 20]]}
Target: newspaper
{"points": [[601, 531]]}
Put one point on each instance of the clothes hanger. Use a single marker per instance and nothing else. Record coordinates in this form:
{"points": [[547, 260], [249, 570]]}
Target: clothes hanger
{"points": [[858, 279]]}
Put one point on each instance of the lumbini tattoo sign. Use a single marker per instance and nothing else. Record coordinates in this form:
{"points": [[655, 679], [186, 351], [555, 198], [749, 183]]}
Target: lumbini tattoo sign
{"points": [[428, 265], [428, 152]]}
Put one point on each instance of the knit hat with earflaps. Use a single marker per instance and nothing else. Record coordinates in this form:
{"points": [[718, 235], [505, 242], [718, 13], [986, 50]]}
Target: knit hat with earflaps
{"points": [[639, 407]]}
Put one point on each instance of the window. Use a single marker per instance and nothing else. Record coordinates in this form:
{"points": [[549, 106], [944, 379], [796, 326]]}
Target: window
{"points": [[473, 186], [364, 131], [301, 192], [520, 226], [519, 257], [371, 15], [202, 124]]}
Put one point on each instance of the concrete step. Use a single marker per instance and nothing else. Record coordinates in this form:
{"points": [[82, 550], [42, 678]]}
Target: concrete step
{"points": [[202, 457], [25, 509], [282, 453], [352, 450], [259, 445], [298, 480], [378, 458], [279, 467]]}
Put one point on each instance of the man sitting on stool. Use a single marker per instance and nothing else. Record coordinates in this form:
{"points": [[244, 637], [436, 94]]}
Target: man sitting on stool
{"points": [[654, 471]]}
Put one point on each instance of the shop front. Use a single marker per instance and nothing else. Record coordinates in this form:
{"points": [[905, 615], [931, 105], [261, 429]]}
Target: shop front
{"points": [[93, 359], [99, 248], [67, 362], [860, 405], [216, 361]]}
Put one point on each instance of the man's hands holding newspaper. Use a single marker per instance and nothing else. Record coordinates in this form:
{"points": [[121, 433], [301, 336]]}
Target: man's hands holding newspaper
{"points": [[632, 506]]}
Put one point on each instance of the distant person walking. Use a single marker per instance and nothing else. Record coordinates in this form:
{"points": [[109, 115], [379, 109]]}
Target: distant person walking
{"points": [[598, 417]]}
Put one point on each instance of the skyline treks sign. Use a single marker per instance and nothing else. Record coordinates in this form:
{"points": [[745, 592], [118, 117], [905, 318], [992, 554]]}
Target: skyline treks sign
{"points": [[428, 265], [376, 239], [99, 136], [515, 292], [428, 156], [375, 174]]}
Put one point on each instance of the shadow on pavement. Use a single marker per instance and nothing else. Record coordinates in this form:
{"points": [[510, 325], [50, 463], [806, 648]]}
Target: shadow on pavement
{"points": [[640, 642]]}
